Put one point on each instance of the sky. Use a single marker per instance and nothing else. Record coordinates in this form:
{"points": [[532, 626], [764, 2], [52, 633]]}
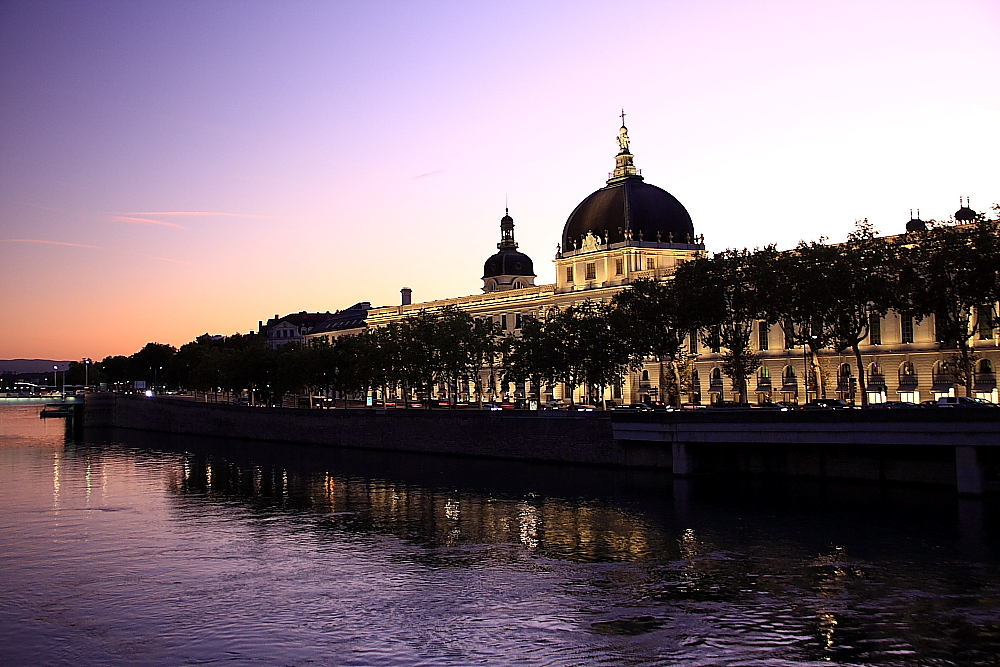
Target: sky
{"points": [[169, 169]]}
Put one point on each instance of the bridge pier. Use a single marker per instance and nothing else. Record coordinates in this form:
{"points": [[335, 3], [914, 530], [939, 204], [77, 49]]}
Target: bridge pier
{"points": [[682, 463], [968, 470]]}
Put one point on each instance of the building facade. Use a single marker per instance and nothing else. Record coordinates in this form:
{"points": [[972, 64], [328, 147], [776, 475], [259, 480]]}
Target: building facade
{"points": [[630, 229]]}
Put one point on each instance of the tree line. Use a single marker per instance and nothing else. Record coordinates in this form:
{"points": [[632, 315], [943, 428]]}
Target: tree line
{"points": [[822, 296]]}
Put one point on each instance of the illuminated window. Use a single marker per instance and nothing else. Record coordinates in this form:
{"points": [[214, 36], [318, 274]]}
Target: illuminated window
{"points": [[650, 263], [569, 274], [592, 271], [762, 334], [906, 329], [875, 330], [986, 323], [619, 266]]}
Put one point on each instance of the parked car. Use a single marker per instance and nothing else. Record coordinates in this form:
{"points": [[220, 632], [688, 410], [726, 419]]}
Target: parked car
{"points": [[730, 405], [894, 405], [828, 404], [962, 402]]}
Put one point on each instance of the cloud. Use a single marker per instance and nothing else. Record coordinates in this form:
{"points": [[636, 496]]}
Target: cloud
{"points": [[205, 213], [73, 245], [146, 221]]}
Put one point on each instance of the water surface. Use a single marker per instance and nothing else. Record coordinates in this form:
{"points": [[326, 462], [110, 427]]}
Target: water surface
{"points": [[129, 548]]}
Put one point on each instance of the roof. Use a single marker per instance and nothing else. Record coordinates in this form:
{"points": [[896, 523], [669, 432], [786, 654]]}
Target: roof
{"points": [[630, 205], [349, 318]]}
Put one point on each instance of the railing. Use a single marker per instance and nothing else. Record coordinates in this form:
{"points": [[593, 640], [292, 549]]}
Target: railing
{"points": [[763, 384], [876, 381], [943, 380], [715, 384], [985, 380], [907, 379]]}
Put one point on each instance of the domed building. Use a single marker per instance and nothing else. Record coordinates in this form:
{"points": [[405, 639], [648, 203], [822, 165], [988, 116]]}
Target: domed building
{"points": [[628, 229], [508, 269]]}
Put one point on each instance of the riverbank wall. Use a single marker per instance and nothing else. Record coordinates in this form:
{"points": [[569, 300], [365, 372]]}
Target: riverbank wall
{"points": [[947, 447]]}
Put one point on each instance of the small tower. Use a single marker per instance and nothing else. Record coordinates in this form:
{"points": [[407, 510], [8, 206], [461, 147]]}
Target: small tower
{"points": [[916, 224], [964, 213], [508, 269]]}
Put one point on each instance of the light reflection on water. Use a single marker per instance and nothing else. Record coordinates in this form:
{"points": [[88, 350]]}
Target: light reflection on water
{"points": [[140, 549]]}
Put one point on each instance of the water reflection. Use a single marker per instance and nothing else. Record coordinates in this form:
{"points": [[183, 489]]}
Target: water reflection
{"points": [[164, 550]]}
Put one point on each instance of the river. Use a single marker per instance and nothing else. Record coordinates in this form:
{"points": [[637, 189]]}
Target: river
{"points": [[131, 548]]}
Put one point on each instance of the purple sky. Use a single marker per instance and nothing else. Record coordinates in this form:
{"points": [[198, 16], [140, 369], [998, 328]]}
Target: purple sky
{"points": [[336, 152]]}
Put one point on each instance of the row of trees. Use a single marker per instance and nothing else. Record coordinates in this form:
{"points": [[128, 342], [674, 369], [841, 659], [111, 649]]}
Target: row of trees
{"points": [[822, 296]]}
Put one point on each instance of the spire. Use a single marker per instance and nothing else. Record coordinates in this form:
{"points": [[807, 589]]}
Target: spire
{"points": [[624, 167]]}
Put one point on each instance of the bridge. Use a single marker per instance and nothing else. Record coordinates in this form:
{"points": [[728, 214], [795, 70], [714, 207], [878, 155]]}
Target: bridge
{"points": [[907, 445]]}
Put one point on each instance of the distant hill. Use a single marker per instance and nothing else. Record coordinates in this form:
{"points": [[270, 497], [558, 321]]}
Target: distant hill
{"points": [[31, 365]]}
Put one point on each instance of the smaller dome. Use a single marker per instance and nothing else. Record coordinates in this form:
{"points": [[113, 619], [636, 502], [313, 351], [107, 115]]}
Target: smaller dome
{"points": [[964, 213], [916, 224], [508, 262]]}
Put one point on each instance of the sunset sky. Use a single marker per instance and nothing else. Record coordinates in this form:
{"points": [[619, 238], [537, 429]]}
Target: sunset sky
{"points": [[169, 169]]}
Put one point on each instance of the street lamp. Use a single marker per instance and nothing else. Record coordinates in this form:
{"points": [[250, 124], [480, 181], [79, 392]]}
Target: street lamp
{"points": [[55, 377], [86, 373]]}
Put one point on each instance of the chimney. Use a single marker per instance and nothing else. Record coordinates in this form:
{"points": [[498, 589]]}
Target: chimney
{"points": [[407, 296], [260, 325]]}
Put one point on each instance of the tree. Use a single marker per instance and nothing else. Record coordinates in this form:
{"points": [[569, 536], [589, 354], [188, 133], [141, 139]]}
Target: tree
{"points": [[532, 357], [647, 317], [955, 274], [865, 287], [803, 301], [723, 296]]}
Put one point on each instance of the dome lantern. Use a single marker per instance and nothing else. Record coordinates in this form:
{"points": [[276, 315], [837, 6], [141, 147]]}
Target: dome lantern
{"points": [[507, 269]]}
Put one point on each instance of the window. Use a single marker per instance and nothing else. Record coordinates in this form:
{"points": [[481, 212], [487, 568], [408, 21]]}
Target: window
{"points": [[694, 342], [762, 333], [650, 263], [569, 274], [517, 321], [503, 322], [645, 376], [789, 341], [764, 372], [619, 266], [875, 330], [986, 324], [906, 329], [716, 343], [985, 366], [592, 271]]}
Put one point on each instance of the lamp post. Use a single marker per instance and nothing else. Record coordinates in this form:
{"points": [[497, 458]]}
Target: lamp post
{"points": [[86, 373]]}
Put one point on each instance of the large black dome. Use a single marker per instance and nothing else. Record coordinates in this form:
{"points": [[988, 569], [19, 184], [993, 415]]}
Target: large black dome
{"points": [[508, 262], [632, 205]]}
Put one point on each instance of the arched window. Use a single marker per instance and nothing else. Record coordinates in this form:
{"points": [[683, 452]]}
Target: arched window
{"points": [[941, 368], [764, 372], [906, 368], [845, 370], [874, 369], [788, 373], [717, 374], [645, 376], [985, 366]]}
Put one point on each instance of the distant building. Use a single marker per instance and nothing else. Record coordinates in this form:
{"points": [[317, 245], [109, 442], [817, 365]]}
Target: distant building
{"points": [[290, 328]]}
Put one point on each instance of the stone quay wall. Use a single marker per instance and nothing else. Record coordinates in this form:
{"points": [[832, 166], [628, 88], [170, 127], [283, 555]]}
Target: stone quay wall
{"points": [[953, 447], [571, 438]]}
